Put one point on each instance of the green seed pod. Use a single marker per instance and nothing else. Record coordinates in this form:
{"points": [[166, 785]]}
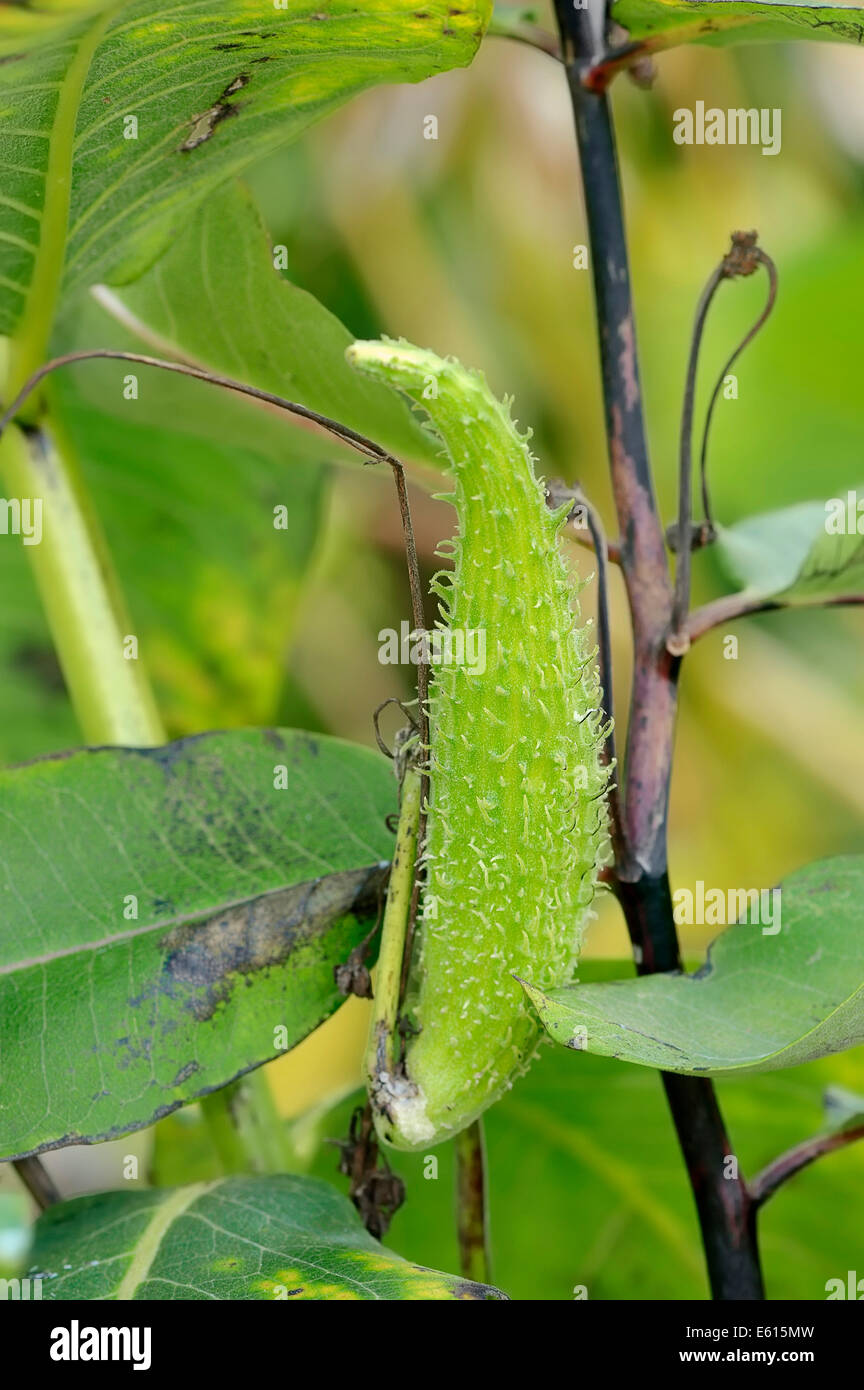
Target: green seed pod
{"points": [[516, 826]]}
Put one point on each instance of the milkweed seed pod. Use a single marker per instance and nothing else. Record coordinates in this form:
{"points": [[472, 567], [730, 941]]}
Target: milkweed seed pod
{"points": [[516, 825]]}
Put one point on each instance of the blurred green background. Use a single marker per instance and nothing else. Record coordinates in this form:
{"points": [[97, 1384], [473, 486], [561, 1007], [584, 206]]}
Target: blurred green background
{"points": [[464, 244]]}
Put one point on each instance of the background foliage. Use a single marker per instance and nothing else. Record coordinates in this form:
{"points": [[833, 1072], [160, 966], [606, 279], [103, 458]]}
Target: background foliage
{"points": [[465, 244]]}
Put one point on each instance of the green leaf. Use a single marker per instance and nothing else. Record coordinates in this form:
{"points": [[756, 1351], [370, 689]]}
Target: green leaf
{"points": [[661, 24], [186, 470], [213, 85], [216, 299], [246, 896], [24, 27], [765, 999], [182, 470], [790, 556], [241, 1238]]}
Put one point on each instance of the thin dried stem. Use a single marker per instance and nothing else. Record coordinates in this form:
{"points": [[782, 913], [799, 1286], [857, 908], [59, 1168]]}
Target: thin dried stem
{"points": [[730, 362], [365, 446], [685, 470], [36, 1179], [743, 258]]}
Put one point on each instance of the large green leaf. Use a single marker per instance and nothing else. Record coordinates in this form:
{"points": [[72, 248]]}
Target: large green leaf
{"points": [[801, 554], [247, 895], [660, 24], [765, 999], [213, 84], [186, 470], [175, 473], [216, 299], [239, 1238]]}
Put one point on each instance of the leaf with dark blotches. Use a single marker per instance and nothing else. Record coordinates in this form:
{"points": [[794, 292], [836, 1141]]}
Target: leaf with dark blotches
{"points": [[783, 986], [172, 918], [242, 1238]]}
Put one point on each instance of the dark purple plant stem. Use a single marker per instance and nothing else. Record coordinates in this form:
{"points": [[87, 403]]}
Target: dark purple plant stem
{"points": [[766, 1183], [726, 1213], [733, 606]]}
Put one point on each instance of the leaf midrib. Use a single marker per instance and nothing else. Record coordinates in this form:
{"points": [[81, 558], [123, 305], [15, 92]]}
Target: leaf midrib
{"points": [[195, 918], [722, 1068], [30, 342], [147, 1248]]}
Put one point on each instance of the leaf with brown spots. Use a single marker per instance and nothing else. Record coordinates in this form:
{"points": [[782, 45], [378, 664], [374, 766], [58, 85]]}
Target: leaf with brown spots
{"points": [[89, 196]]}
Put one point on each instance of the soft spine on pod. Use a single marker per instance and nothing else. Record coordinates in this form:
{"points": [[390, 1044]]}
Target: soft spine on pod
{"points": [[516, 826]]}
